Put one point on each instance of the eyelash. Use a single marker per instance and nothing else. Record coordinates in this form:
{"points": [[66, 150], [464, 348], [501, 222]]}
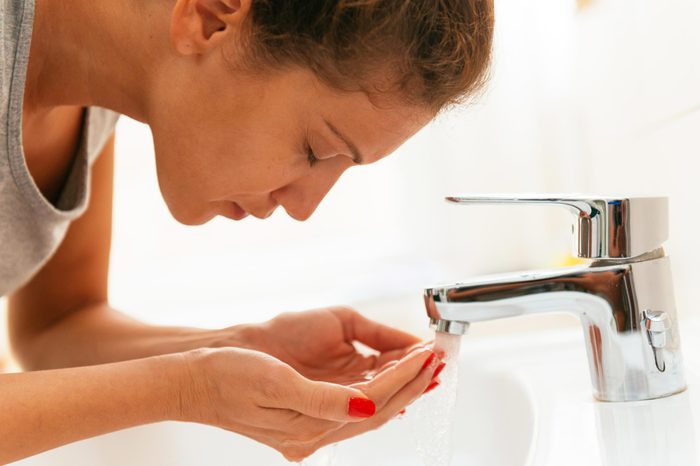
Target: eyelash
{"points": [[311, 157]]}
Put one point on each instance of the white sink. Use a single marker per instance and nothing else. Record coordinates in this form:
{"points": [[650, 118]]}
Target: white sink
{"points": [[522, 401], [572, 428]]}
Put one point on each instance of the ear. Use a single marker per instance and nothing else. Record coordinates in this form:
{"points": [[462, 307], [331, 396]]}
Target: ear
{"points": [[199, 26]]}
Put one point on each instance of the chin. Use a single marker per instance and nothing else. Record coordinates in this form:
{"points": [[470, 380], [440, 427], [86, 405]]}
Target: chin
{"points": [[190, 217]]}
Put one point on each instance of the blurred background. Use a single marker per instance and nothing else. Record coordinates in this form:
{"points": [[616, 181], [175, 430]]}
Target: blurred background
{"points": [[597, 96]]}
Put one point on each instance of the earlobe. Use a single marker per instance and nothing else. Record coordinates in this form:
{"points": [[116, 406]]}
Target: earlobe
{"points": [[198, 26]]}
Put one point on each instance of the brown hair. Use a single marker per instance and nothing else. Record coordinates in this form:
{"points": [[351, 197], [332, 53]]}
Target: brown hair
{"points": [[436, 52]]}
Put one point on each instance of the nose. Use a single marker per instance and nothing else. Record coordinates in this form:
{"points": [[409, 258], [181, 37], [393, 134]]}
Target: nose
{"points": [[300, 207], [300, 199]]}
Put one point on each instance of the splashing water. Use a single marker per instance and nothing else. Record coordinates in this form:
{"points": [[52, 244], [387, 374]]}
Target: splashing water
{"points": [[435, 411]]}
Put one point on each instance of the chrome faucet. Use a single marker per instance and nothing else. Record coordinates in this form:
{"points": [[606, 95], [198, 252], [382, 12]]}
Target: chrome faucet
{"points": [[623, 296]]}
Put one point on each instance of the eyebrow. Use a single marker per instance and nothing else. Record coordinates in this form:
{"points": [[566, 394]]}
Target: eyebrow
{"points": [[356, 155]]}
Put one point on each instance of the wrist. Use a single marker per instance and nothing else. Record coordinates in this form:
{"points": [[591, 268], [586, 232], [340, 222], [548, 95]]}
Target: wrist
{"points": [[161, 386], [245, 336], [183, 340], [191, 386]]}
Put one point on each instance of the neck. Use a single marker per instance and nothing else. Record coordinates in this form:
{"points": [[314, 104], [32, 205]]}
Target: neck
{"points": [[88, 53]]}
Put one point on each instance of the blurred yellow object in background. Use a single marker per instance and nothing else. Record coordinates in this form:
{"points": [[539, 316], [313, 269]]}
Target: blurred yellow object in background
{"points": [[583, 4], [569, 261]]}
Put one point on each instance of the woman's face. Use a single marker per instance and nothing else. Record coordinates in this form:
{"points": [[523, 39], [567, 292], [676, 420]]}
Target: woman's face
{"points": [[233, 144]]}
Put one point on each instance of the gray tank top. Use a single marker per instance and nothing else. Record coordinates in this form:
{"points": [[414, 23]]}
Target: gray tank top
{"points": [[31, 227]]}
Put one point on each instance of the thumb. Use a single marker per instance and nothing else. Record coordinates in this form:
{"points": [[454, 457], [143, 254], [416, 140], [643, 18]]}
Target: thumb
{"points": [[329, 401]]}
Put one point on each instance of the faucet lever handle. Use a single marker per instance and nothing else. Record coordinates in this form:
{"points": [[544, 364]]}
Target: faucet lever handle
{"points": [[606, 228]]}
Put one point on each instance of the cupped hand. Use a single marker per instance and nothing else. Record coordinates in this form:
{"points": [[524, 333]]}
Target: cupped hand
{"points": [[321, 344], [261, 397]]}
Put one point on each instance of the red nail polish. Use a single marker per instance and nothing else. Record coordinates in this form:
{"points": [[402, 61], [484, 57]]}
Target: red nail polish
{"points": [[431, 386], [428, 361], [438, 370], [361, 407]]}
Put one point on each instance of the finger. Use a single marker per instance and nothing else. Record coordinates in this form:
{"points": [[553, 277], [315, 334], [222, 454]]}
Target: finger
{"points": [[366, 367], [324, 400], [381, 369], [404, 397], [391, 358], [395, 355], [376, 363], [373, 334], [389, 382]]}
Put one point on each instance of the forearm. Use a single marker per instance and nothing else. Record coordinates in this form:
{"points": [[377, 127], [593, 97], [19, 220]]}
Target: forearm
{"points": [[99, 334], [43, 410]]}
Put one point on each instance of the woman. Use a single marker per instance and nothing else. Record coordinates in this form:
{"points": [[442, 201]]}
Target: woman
{"points": [[253, 104]]}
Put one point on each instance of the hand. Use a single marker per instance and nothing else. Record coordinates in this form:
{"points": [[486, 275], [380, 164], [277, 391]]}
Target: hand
{"points": [[319, 344], [256, 395]]}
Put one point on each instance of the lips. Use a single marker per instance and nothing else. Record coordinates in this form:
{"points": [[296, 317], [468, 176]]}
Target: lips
{"points": [[237, 212], [234, 211]]}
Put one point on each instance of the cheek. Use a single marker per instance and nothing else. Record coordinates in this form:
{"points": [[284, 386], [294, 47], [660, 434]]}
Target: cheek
{"points": [[192, 175], [310, 189], [199, 163], [179, 190], [259, 179], [256, 167]]}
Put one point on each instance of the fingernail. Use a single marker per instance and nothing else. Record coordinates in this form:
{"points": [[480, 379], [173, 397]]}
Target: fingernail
{"points": [[428, 361], [361, 407], [402, 412], [438, 370], [431, 386]]}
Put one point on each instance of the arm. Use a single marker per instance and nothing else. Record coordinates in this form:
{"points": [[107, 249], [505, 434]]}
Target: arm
{"points": [[43, 410], [243, 391], [61, 317]]}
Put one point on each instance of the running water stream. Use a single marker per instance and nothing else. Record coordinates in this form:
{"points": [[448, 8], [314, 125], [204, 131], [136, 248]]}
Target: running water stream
{"points": [[433, 434]]}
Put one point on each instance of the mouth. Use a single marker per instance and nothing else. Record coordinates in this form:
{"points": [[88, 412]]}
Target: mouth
{"points": [[234, 211]]}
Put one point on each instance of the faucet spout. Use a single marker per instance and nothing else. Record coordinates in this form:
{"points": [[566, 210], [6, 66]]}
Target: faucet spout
{"points": [[626, 308]]}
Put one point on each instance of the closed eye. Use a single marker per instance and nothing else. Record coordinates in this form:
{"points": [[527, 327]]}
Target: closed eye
{"points": [[311, 157]]}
